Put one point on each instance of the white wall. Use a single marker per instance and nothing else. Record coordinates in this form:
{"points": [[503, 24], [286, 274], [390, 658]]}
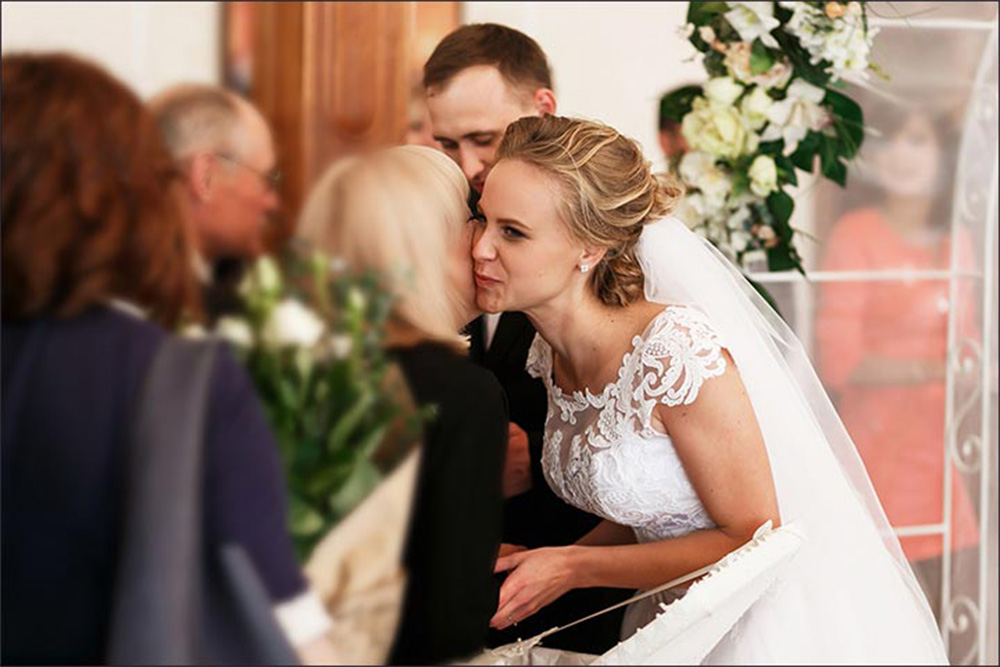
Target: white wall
{"points": [[611, 61], [150, 45]]}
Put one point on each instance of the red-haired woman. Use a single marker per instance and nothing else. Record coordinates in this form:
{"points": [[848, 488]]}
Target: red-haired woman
{"points": [[96, 270]]}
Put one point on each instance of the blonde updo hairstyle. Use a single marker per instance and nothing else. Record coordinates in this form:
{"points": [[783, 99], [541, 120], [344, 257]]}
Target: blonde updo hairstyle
{"points": [[400, 212], [609, 192]]}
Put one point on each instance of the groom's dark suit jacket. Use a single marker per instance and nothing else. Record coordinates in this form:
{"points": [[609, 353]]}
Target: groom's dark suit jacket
{"points": [[538, 518]]}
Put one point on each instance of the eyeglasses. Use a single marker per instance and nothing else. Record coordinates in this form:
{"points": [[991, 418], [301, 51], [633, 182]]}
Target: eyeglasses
{"points": [[271, 178]]}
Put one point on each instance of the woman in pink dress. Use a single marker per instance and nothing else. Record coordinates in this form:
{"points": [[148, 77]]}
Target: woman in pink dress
{"points": [[883, 344]]}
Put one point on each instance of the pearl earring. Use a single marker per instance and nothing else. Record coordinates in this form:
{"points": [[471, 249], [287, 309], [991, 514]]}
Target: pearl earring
{"points": [[584, 268]]}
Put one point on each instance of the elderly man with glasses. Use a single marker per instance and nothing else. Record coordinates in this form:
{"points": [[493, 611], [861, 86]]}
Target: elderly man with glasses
{"points": [[226, 153]]}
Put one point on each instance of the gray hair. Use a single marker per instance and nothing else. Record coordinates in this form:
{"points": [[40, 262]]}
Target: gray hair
{"points": [[195, 117]]}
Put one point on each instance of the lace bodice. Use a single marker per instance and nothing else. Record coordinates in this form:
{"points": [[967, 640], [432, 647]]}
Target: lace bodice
{"points": [[601, 452]]}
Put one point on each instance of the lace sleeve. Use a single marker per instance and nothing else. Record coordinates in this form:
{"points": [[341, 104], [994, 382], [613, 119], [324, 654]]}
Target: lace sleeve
{"points": [[680, 353], [539, 363]]}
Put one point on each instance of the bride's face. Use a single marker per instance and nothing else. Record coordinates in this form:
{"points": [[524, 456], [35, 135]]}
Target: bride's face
{"points": [[522, 252]]}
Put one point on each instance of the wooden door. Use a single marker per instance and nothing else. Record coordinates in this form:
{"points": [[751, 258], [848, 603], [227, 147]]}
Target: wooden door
{"points": [[332, 78]]}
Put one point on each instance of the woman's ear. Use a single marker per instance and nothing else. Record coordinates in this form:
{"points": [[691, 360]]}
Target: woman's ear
{"points": [[590, 258]]}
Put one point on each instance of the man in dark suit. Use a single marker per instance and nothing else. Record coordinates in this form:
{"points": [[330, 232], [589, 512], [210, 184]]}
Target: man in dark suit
{"points": [[225, 152], [478, 80]]}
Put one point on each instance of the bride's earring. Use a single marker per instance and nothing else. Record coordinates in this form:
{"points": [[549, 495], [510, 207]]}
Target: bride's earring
{"points": [[584, 268]]}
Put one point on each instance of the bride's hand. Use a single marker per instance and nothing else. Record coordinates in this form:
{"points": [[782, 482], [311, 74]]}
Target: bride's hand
{"points": [[537, 577]]}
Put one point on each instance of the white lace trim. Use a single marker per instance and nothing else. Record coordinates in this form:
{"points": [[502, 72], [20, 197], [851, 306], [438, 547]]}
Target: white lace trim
{"points": [[601, 451]]}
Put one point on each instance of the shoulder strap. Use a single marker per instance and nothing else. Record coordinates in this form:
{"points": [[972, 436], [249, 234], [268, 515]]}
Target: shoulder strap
{"points": [[156, 595]]}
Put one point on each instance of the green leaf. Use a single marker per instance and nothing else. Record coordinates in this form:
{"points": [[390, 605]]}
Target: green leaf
{"points": [[848, 122], [783, 258], [781, 206], [830, 163], [304, 519], [815, 74], [350, 420], [715, 64], [364, 477], [702, 13], [741, 183], [761, 58], [805, 153], [771, 147], [786, 170], [677, 104]]}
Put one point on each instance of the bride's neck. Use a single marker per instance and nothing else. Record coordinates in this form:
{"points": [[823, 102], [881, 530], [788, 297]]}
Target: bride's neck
{"points": [[587, 335]]}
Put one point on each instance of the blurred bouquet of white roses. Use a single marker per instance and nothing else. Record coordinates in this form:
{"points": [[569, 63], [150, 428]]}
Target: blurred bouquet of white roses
{"points": [[312, 340], [768, 108]]}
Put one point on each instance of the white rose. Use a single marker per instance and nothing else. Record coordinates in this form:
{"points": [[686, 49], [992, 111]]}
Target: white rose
{"points": [[722, 91], [791, 118], [707, 34], [291, 323], [752, 20], [763, 175], [755, 107], [234, 330], [717, 131]]}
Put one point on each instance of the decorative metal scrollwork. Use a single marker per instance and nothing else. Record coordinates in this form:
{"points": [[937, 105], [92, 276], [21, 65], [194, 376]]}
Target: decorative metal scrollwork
{"points": [[962, 617]]}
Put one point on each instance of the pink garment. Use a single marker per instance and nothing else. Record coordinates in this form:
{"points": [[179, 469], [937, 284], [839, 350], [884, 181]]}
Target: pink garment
{"points": [[899, 430]]}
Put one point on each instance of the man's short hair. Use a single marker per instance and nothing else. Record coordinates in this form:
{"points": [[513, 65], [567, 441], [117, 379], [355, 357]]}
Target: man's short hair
{"points": [[194, 117], [517, 57]]}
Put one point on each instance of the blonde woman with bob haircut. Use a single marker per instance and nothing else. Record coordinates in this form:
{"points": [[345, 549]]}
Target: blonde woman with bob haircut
{"points": [[402, 212], [682, 410]]}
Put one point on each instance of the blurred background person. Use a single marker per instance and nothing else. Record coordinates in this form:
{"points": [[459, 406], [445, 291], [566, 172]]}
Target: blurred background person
{"points": [[402, 213], [671, 139], [418, 125], [479, 79], [97, 252], [224, 149], [883, 344]]}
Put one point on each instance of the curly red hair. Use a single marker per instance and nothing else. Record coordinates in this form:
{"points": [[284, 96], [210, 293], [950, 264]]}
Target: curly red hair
{"points": [[92, 206]]}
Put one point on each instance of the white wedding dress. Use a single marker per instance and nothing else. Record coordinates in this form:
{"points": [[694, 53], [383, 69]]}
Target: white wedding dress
{"points": [[848, 597]]}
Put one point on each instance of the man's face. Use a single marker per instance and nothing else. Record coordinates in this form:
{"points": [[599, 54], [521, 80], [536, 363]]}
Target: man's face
{"points": [[243, 198], [469, 116]]}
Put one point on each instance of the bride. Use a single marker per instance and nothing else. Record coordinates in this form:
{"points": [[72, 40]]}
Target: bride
{"points": [[682, 410]]}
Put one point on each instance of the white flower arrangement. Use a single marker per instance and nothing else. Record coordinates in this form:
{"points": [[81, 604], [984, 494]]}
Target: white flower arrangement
{"points": [[768, 108], [311, 339]]}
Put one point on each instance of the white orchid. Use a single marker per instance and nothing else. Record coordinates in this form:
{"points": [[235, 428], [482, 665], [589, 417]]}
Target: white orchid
{"points": [[793, 117], [235, 330], [752, 20], [839, 37], [292, 324]]}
